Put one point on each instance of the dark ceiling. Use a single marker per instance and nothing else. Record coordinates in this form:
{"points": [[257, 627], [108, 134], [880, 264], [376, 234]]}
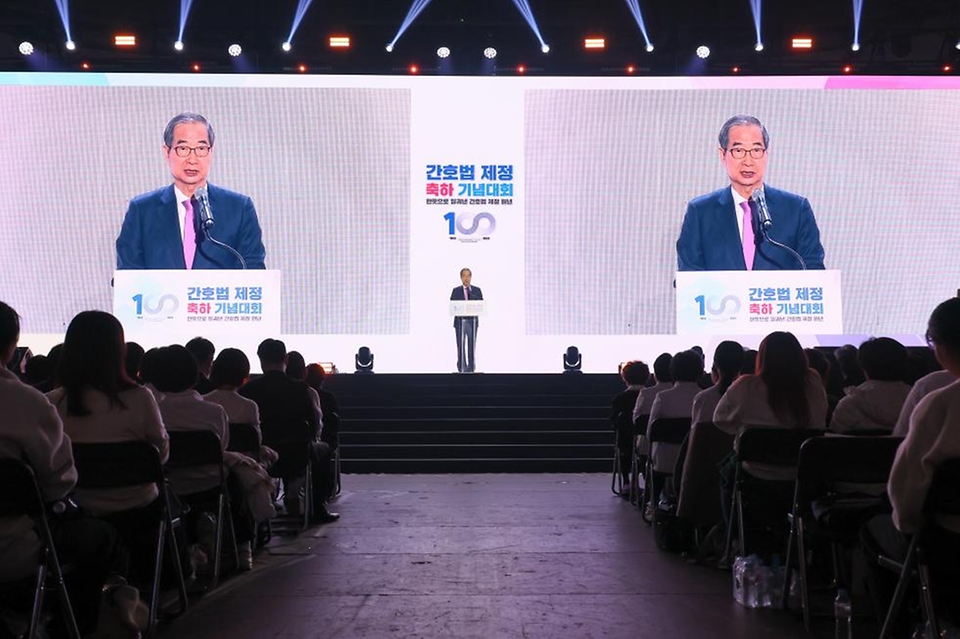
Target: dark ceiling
{"points": [[897, 36]]}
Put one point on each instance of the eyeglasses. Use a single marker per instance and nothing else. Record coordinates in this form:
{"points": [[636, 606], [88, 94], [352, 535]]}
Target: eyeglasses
{"points": [[201, 150], [738, 152]]}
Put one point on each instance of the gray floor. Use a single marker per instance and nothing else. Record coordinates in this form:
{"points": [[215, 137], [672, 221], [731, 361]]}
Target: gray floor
{"points": [[477, 556]]}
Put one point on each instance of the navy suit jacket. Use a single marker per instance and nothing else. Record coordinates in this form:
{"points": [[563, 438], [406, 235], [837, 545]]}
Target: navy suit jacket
{"points": [[150, 236], [457, 294], [710, 237]]}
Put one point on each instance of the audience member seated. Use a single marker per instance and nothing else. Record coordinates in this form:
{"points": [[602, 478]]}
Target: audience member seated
{"points": [[821, 363], [203, 351], [297, 370], [36, 371], [230, 371], [676, 401], [876, 403], [634, 375], [783, 393], [661, 381], [98, 404], [133, 361], [329, 407], [933, 437], [287, 407], [848, 363], [699, 491], [184, 409], [31, 430], [727, 361], [749, 362], [148, 370], [923, 387], [705, 381]]}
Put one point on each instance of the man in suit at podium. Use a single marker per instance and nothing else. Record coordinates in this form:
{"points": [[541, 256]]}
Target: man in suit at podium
{"points": [[161, 229], [466, 326], [721, 229]]}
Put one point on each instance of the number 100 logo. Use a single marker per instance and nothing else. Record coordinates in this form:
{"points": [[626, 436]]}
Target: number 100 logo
{"points": [[469, 224]]}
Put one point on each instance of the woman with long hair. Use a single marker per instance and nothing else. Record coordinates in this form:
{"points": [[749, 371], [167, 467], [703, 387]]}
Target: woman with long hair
{"points": [[99, 403]]}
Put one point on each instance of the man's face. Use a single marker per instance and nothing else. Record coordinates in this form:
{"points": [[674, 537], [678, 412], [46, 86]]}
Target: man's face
{"points": [[746, 173], [465, 277], [190, 172]]}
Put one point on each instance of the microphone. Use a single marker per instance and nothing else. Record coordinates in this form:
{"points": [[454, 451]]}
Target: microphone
{"points": [[206, 213], [205, 222], [763, 213]]}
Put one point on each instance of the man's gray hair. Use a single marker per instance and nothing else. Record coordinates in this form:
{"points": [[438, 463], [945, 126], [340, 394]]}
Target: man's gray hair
{"points": [[181, 119], [739, 120]]}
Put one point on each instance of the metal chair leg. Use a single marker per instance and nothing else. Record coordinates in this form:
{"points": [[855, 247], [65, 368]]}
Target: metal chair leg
{"points": [[157, 568], [900, 591], [802, 566], [788, 566], [616, 471], [926, 595], [174, 550]]}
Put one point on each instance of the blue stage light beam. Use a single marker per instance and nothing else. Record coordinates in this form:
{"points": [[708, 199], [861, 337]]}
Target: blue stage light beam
{"points": [[63, 8], [755, 8], [523, 6], [185, 6], [415, 9], [634, 6], [857, 10], [302, 6]]}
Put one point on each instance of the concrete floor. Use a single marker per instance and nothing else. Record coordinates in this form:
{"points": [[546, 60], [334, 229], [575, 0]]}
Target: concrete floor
{"points": [[548, 556]]}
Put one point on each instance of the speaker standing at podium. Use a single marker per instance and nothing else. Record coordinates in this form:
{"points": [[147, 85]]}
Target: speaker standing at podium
{"points": [[465, 327]]}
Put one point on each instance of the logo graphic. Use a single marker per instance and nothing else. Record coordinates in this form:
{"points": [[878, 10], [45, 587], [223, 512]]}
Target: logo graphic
{"points": [[719, 308], [164, 307], [469, 227]]}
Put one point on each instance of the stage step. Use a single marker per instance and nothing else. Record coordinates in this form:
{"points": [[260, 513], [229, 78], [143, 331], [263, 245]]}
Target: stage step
{"points": [[475, 423]]}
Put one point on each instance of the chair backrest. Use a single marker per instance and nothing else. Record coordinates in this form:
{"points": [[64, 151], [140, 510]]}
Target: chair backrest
{"points": [[194, 448], [641, 423], [773, 446], [943, 497], [827, 461], [244, 438], [117, 464], [20, 494], [669, 430]]}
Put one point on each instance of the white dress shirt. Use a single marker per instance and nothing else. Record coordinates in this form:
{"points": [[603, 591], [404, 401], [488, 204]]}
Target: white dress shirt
{"points": [[923, 387], [933, 436], [138, 419], [871, 405]]}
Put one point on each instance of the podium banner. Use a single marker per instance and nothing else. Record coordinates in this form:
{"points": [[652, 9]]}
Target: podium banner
{"points": [[232, 305], [759, 302], [468, 308]]}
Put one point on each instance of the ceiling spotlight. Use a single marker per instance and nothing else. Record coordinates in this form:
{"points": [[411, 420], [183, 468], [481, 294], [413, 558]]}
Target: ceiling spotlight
{"points": [[443, 52], [339, 42], [489, 53], [71, 45], [178, 45], [85, 66], [26, 48], [855, 46], [286, 46], [414, 69], [631, 69], [196, 67], [650, 48], [302, 68], [545, 48], [390, 48], [947, 68], [957, 45], [521, 69], [234, 50], [758, 46], [847, 68], [703, 52]]}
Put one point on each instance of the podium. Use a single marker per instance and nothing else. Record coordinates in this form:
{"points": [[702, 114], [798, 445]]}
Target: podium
{"points": [[171, 306], [759, 302], [467, 311]]}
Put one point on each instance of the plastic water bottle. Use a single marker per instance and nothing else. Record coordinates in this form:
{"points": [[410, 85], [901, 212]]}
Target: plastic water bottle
{"points": [[843, 616]]}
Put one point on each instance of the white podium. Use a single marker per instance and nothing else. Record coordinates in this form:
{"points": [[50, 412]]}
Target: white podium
{"points": [[467, 311], [229, 307], [759, 302]]}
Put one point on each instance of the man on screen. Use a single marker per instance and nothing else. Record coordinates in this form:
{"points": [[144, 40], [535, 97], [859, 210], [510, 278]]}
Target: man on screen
{"points": [[721, 230], [161, 229], [466, 326]]}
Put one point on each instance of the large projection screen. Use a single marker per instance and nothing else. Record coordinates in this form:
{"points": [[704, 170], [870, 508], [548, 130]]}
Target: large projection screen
{"points": [[564, 196]]}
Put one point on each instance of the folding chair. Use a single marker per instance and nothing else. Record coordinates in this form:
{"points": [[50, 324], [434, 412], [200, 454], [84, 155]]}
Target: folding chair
{"points": [[671, 430], [192, 449], [133, 463], [337, 484], [20, 496], [775, 447], [245, 439], [943, 498], [825, 506], [622, 428], [638, 462]]}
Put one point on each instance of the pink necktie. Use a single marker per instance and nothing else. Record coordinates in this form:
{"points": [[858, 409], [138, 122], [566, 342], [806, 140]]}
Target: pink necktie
{"points": [[466, 295], [189, 235], [749, 242]]}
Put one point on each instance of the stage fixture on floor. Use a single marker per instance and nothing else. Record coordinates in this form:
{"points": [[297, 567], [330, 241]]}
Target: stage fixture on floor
{"points": [[572, 360], [364, 361]]}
